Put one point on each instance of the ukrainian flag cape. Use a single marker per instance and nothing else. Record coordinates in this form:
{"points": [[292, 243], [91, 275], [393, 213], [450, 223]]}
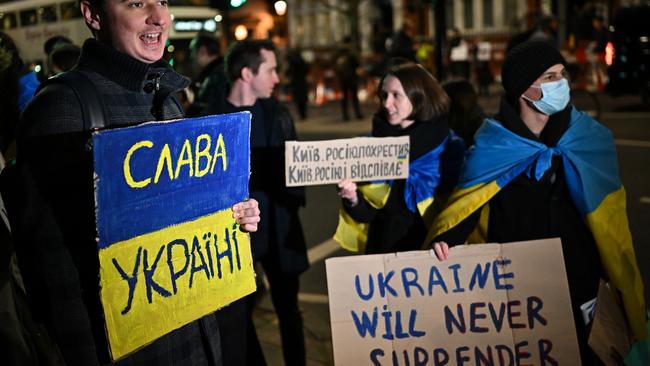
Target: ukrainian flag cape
{"points": [[591, 169], [424, 177]]}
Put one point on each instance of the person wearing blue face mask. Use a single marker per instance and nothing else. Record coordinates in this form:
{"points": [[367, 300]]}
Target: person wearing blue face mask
{"points": [[542, 169], [555, 91]]}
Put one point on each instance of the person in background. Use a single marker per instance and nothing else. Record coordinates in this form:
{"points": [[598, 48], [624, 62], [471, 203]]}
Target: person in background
{"points": [[597, 46], [49, 46], [465, 114], [54, 41], [557, 176], [482, 57], [55, 227], [11, 66], [395, 215], [346, 64], [279, 244], [298, 70], [15, 343], [63, 58], [211, 85], [459, 65], [546, 30], [27, 78], [401, 45]]}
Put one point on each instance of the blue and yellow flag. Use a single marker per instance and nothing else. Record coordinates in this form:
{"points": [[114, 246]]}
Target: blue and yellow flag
{"points": [[169, 249], [591, 169], [421, 187]]}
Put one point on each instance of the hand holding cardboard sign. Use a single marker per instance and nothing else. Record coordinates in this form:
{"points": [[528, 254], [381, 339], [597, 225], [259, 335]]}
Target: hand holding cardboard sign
{"points": [[348, 191], [247, 215], [442, 250]]}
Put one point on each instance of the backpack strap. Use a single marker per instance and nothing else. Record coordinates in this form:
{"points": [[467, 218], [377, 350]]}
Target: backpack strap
{"points": [[92, 109]]}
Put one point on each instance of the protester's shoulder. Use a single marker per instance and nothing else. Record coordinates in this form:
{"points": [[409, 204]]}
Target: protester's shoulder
{"points": [[217, 81], [283, 113], [54, 109], [272, 106], [283, 109], [586, 119]]}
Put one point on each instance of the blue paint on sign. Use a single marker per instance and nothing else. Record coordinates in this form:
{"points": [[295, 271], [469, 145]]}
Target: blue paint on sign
{"points": [[155, 175]]}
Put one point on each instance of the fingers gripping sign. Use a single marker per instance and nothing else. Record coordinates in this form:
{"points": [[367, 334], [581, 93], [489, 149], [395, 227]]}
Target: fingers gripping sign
{"points": [[442, 250], [348, 191], [247, 215]]}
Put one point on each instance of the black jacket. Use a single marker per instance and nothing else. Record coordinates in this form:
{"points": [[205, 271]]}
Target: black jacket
{"points": [[211, 88], [55, 229], [279, 236], [394, 228]]}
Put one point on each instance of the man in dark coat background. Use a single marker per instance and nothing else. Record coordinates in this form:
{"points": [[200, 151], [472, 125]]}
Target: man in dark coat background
{"points": [[210, 85], [345, 67], [55, 220], [279, 243], [297, 73]]}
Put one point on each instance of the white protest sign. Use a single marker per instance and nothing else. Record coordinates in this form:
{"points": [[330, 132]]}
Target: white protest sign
{"points": [[358, 159], [490, 304]]}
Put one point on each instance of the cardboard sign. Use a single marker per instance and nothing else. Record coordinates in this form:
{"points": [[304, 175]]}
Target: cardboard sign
{"points": [[487, 304], [358, 159], [169, 250], [610, 337]]}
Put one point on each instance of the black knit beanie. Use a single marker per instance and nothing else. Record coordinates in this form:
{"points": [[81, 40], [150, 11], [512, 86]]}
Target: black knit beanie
{"points": [[525, 63]]}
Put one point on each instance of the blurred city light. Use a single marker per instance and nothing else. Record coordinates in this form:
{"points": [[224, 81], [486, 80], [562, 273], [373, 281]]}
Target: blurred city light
{"points": [[237, 3], [210, 25], [241, 32], [280, 7], [609, 53]]}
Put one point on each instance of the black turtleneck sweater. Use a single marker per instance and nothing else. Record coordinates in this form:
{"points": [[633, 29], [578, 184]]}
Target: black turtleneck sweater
{"points": [[394, 228]]}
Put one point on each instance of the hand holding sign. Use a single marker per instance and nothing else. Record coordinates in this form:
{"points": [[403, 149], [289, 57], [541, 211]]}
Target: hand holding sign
{"points": [[247, 215], [348, 191], [442, 250]]}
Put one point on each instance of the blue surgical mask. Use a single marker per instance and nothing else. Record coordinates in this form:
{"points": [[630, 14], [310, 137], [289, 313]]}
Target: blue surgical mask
{"points": [[555, 96]]}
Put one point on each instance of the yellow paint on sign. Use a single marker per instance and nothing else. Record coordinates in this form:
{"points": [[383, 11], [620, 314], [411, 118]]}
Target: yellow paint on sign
{"points": [[157, 282]]}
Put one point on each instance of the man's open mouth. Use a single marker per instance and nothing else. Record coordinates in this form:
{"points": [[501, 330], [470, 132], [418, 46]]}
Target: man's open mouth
{"points": [[151, 39]]}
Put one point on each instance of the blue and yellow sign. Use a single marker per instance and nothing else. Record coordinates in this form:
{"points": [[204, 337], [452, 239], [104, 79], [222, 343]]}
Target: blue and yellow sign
{"points": [[169, 250]]}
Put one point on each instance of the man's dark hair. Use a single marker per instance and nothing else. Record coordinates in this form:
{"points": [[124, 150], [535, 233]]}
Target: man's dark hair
{"points": [[65, 56], [246, 54], [208, 41], [54, 42]]}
